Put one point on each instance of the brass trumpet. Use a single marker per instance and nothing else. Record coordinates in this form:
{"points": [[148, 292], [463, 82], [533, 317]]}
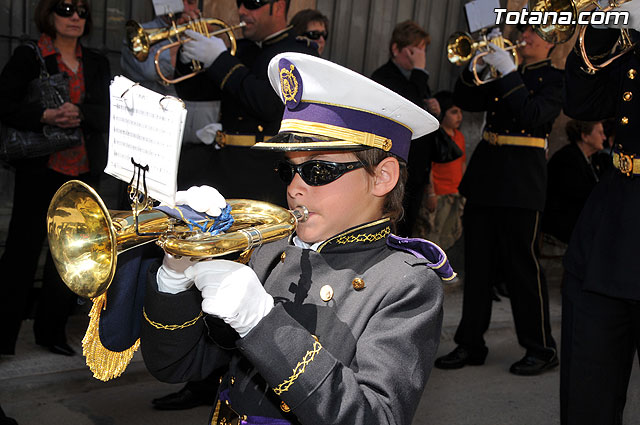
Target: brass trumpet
{"points": [[461, 48], [140, 40], [85, 238], [561, 33]]}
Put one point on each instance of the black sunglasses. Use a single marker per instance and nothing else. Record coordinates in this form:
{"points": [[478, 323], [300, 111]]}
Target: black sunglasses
{"points": [[315, 172], [315, 35], [66, 10], [253, 4]]}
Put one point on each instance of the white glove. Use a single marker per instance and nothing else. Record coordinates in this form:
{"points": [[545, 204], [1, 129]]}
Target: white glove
{"points": [[495, 33], [204, 199], [232, 292], [170, 276], [201, 48], [500, 59], [633, 7]]}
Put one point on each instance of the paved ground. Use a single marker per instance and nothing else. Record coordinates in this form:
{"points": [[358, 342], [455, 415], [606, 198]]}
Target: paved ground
{"points": [[37, 387]]}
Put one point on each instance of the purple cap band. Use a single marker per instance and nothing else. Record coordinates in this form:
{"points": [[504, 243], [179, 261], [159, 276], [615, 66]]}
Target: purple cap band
{"points": [[354, 119]]}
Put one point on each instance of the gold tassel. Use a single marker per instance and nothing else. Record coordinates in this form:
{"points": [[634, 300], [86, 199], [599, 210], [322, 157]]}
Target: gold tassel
{"points": [[104, 363]]}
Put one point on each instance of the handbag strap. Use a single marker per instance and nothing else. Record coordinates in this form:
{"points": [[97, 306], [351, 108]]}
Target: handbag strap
{"points": [[43, 66]]}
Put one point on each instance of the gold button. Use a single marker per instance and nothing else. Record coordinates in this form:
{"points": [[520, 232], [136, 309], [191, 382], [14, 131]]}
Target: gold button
{"points": [[357, 283], [624, 120], [540, 79], [496, 99], [233, 380], [627, 96], [284, 407], [631, 74], [522, 131], [221, 379], [260, 128], [283, 256], [326, 293]]}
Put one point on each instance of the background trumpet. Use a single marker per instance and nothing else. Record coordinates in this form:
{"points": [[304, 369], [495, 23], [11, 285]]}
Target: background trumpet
{"points": [[140, 40], [461, 48], [561, 33]]}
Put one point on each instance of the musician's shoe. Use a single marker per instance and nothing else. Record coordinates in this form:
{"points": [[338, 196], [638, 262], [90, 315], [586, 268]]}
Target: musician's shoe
{"points": [[183, 399], [461, 357], [532, 365]]}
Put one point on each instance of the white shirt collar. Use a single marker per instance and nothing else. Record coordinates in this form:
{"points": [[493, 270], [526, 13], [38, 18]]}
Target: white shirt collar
{"points": [[302, 244]]}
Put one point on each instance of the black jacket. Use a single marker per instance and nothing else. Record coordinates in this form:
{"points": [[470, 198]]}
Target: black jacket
{"points": [[522, 103], [249, 103], [603, 248], [571, 180], [23, 67]]}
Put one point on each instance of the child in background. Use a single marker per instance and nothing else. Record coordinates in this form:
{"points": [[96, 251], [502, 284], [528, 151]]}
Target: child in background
{"points": [[442, 205]]}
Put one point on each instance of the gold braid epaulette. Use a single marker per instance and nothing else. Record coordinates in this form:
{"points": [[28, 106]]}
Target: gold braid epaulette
{"points": [[104, 363], [300, 368], [171, 327]]}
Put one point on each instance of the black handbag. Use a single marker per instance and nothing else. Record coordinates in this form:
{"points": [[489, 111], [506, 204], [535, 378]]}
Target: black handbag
{"points": [[51, 91], [444, 148]]}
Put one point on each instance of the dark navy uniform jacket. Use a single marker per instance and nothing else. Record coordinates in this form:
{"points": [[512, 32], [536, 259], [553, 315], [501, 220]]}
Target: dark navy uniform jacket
{"points": [[604, 247], [249, 103], [522, 103], [362, 357]]}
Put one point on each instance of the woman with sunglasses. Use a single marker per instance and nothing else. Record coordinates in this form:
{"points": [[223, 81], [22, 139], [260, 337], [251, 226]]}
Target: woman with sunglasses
{"points": [[62, 24], [339, 323], [312, 25]]}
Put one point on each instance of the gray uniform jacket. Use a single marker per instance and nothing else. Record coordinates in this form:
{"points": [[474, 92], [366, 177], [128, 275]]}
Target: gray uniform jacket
{"points": [[362, 357]]}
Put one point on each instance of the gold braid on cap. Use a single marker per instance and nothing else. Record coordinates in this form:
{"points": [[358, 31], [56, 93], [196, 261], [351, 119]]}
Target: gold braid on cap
{"points": [[353, 136]]}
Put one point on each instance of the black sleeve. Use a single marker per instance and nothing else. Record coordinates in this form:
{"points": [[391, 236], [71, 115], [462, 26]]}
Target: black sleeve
{"points": [[469, 96], [21, 69], [95, 107], [528, 109], [589, 97]]}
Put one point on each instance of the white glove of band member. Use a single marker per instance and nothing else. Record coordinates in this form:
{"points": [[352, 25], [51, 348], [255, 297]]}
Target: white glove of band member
{"points": [[232, 292], [500, 59], [204, 199], [634, 15], [170, 276], [201, 48], [494, 33]]}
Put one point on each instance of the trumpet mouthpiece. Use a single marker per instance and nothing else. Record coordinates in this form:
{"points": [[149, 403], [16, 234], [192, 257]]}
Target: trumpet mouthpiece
{"points": [[301, 213]]}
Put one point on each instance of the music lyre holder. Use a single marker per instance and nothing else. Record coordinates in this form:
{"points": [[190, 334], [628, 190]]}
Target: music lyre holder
{"points": [[140, 200]]}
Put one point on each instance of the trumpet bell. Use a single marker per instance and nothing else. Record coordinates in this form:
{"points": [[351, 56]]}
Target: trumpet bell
{"points": [[82, 239], [460, 48], [138, 40], [553, 32]]}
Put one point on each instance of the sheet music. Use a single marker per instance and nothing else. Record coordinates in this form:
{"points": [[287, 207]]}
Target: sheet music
{"points": [[480, 14], [164, 7], [147, 127]]}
